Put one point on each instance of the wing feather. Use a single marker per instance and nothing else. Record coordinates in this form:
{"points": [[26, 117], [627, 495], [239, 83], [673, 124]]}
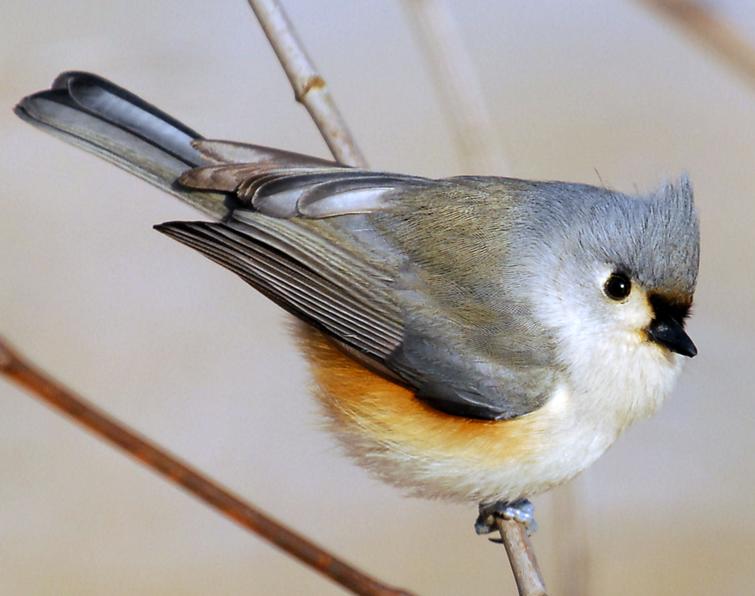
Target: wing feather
{"points": [[351, 252], [291, 284], [231, 152]]}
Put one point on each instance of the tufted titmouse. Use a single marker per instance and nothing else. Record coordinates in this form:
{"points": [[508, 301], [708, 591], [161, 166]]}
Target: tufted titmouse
{"points": [[473, 338]]}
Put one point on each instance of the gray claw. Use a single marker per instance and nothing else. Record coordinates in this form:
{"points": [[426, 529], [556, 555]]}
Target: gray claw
{"points": [[521, 510]]}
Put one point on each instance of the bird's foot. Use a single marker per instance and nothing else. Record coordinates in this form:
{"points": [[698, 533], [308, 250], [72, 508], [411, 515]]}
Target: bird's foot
{"points": [[520, 510]]}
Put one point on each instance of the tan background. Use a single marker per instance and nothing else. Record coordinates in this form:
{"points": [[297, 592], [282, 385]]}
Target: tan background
{"points": [[187, 353]]}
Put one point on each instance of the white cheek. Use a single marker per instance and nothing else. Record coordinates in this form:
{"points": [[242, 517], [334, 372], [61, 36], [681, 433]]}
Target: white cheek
{"points": [[632, 316], [616, 375]]}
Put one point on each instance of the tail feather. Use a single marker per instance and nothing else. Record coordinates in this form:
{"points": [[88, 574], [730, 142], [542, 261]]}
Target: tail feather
{"points": [[92, 113]]}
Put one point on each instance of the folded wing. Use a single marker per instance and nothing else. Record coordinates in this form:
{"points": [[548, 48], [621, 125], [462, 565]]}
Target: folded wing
{"points": [[315, 238]]}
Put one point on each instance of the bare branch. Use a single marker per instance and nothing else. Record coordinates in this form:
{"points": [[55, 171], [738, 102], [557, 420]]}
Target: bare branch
{"points": [[458, 86], [529, 580], [19, 370], [712, 30], [310, 88]]}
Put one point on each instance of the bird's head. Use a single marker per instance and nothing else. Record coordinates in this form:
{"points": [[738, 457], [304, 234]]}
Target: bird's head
{"points": [[626, 269]]}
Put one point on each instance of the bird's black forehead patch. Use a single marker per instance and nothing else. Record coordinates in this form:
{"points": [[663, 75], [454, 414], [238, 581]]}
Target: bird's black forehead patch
{"points": [[670, 306]]}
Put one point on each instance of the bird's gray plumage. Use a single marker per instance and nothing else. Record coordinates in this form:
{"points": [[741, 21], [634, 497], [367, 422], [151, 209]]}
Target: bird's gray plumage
{"points": [[92, 113], [387, 264]]}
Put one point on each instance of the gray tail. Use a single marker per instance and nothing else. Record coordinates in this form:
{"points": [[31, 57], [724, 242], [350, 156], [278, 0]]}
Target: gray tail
{"points": [[102, 118]]}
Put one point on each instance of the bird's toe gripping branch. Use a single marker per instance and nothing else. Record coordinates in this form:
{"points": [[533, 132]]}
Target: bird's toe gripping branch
{"points": [[521, 511]]}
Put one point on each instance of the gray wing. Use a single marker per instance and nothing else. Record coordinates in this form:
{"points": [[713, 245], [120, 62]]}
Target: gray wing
{"points": [[302, 283], [326, 243]]}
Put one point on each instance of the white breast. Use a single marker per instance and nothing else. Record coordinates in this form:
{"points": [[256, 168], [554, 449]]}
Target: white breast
{"points": [[603, 392]]}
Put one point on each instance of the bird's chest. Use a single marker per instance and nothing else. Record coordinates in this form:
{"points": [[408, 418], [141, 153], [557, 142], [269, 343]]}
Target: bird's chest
{"points": [[624, 381], [585, 416]]}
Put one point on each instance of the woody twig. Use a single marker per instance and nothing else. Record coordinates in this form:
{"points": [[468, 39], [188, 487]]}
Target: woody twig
{"points": [[529, 580], [310, 89], [17, 369], [703, 22], [458, 86]]}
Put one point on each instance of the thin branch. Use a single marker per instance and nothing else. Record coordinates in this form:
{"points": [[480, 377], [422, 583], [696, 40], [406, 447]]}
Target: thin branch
{"points": [[309, 87], [709, 28], [19, 370], [529, 580], [457, 85]]}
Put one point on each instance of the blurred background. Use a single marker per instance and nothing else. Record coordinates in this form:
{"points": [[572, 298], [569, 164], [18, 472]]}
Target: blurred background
{"points": [[186, 353]]}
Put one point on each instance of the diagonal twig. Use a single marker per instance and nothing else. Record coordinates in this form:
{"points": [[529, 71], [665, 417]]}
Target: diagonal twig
{"points": [[309, 87], [458, 86], [708, 27], [529, 580], [18, 369]]}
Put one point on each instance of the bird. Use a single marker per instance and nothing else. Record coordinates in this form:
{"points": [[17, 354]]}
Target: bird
{"points": [[472, 338]]}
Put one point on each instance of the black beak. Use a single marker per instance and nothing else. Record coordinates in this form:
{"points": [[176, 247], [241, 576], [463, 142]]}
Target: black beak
{"points": [[670, 333]]}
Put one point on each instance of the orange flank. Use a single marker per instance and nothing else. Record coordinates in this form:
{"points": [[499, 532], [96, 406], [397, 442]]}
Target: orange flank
{"points": [[376, 414]]}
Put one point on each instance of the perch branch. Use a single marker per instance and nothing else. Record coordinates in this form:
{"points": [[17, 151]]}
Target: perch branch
{"points": [[16, 368], [529, 580], [712, 30], [458, 86], [309, 86]]}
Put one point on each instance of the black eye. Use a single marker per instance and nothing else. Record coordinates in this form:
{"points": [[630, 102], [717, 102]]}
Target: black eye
{"points": [[617, 286]]}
